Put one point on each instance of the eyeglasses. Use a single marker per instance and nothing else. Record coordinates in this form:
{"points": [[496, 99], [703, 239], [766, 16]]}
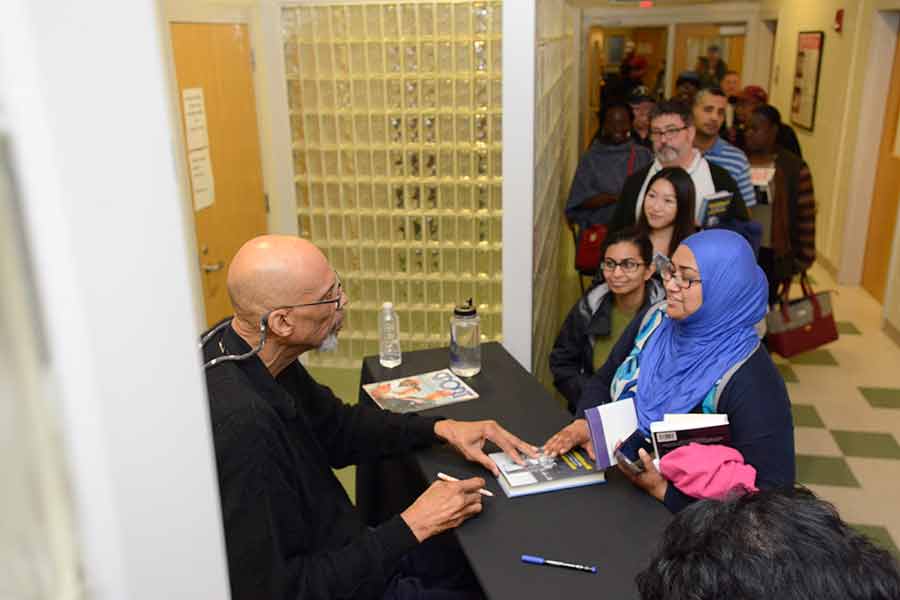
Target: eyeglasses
{"points": [[337, 300], [669, 272], [629, 265], [663, 134]]}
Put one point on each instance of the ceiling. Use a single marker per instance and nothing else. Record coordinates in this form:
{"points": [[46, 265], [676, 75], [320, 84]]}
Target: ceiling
{"points": [[634, 3]]}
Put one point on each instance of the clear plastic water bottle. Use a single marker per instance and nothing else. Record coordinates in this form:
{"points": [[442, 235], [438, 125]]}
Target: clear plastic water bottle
{"points": [[465, 341], [389, 354]]}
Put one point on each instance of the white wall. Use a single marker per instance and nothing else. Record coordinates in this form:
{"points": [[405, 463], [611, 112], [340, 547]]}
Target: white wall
{"points": [[93, 139], [842, 149], [519, 29]]}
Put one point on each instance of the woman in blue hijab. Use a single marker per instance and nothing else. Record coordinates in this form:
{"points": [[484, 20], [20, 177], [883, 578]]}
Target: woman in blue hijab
{"points": [[673, 357]]}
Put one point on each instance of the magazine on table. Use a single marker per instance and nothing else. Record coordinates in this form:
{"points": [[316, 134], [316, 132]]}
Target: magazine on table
{"points": [[420, 392]]}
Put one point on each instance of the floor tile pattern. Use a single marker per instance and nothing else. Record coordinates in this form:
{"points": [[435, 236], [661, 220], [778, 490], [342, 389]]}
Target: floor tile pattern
{"points": [[846, 405]]}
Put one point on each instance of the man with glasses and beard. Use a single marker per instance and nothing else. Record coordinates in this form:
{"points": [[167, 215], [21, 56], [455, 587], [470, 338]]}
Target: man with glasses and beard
{"points": [[290, 528], [672, 133]]}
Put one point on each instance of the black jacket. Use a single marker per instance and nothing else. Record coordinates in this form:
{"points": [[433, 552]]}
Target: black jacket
{"points": [[625, 207], [290, 530], [572, 357]]}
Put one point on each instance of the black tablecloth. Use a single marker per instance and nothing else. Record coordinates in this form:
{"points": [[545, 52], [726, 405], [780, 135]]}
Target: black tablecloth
{"points": [[613, 525]]}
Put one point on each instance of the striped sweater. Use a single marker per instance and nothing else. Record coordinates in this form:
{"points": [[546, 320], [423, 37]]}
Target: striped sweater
{"points": [[734, 161]]}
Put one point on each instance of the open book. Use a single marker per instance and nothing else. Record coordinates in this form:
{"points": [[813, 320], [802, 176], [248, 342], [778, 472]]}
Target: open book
{"points": [[420, 392], [546, 474]]}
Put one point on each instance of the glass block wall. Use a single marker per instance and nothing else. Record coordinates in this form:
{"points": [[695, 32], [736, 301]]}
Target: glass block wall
{"points": [[554, 134], [396, 127]]}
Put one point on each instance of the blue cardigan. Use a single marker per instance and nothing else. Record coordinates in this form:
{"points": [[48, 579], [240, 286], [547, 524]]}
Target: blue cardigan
{"points": [[755, 400]]}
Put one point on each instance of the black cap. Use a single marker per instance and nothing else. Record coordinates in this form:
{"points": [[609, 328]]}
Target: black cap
{"points": [[639, 94], [465, 310], [688, 77]]}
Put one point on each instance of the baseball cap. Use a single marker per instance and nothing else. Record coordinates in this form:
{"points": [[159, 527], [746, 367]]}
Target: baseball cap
{"points": [[688, 77], [639, 94], [755, 93]]}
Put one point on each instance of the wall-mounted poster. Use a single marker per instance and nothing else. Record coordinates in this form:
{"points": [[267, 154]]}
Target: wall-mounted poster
{"points": [[806, 78]]}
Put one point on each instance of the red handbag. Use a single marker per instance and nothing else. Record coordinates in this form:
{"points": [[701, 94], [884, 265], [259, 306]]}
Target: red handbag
{"points": [[590, 240], [587, 254], [803, 324]]}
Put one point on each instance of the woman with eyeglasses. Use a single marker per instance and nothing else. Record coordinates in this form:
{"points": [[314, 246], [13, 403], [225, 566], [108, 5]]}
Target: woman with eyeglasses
{"points": [[673, 356], [622, 288], [667, 214]]}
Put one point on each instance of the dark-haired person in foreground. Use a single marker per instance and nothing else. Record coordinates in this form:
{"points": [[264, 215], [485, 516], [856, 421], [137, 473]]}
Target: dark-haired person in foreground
{"points": [[778, 544]]}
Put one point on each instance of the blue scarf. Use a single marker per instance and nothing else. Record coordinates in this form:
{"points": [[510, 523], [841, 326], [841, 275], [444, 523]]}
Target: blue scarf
{"points": [[684, 359]]}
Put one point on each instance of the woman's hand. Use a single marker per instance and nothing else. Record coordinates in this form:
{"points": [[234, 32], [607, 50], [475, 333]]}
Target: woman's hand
{"points": [[574, 434], [650, 480]]}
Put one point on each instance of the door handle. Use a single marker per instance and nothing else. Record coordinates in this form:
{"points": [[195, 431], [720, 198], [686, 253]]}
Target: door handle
{"points": [[212, 268]]}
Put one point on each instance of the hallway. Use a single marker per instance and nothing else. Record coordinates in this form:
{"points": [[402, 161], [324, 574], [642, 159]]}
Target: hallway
{"points": [[846, 404]]}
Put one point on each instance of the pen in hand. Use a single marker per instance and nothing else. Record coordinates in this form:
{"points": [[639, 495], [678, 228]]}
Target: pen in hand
{"points": [[445, 477]]}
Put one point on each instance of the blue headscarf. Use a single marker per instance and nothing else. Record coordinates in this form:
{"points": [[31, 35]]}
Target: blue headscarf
{"points": [[684, 359]]}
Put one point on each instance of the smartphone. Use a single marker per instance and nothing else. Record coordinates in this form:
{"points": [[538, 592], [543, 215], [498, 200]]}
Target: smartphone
{"points": [[627, 452]]}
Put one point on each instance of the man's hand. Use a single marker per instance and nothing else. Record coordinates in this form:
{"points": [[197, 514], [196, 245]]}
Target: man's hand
{"points": [[574, 434], [444, 505], [650, 480], [468, 437]]}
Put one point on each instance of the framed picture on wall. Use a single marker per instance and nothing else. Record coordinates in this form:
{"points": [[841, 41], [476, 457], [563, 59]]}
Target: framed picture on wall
{"points": [[806, 78]]}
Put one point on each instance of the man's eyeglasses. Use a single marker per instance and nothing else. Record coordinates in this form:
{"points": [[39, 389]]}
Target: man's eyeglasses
{"points": [[663, 134], [629, 265], [668, 271], [337, 299]]}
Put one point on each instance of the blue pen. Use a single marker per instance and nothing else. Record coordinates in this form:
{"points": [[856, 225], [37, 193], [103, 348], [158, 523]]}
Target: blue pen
{"points": [[538, 560]]}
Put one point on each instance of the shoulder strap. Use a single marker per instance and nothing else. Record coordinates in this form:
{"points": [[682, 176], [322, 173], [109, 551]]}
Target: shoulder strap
{"points": [[631, 157], [723, 382]]}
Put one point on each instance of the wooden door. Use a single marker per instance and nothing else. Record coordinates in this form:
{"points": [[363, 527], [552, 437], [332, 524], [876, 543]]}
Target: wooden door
{"points": [[886, 195], [217, 59]]}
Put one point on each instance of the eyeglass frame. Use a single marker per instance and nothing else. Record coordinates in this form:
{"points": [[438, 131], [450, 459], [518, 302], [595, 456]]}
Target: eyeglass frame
{"points": [[336, 300], [666, 134], [620, 264], [665, 267]]}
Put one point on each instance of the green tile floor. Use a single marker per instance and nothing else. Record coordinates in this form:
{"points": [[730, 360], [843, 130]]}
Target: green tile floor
{"points": [[846, 407]]}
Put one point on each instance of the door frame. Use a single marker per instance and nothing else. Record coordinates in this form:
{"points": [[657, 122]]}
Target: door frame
{"points": [[870, 123]]}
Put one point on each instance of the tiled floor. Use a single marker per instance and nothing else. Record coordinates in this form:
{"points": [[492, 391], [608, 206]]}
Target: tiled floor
{"points": [[846, 405]]}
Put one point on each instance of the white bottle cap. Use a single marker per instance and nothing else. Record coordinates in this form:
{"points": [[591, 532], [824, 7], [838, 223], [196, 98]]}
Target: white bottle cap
{"points": [[387, 305]]}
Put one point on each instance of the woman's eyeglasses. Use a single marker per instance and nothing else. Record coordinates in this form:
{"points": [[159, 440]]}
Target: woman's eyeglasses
{"points": [[668, 271], [629, 265]]}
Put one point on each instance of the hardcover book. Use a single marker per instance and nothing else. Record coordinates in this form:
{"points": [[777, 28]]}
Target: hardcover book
{"points": [[545, 473], [675, 431], [713, 209], [420, 392]]}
